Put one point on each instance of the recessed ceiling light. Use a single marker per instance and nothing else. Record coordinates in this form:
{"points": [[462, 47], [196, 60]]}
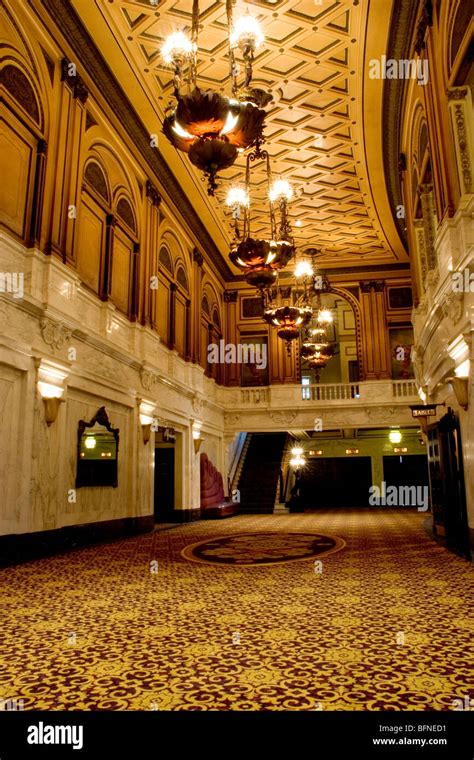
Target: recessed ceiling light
{"points": [[298, 223]]}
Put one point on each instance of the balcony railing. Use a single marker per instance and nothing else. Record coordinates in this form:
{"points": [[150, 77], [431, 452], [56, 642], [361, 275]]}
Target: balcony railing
{"points": [[367, 392]]}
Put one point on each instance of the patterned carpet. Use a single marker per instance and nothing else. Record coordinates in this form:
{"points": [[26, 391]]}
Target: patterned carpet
{"points": [[383, 624]]}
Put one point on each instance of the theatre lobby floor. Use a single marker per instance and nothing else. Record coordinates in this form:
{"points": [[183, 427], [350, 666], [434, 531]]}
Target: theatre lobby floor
{"points": [[384, 623]]}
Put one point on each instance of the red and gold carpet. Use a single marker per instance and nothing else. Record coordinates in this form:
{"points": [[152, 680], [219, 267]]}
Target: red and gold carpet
{"points": [[386, 623]]}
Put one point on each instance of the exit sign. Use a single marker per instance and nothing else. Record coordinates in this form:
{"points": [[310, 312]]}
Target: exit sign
{"points": [[425, 410]]}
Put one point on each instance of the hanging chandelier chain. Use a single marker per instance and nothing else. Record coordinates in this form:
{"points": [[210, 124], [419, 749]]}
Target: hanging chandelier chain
{"points": [[194, 42], [232, 61]]}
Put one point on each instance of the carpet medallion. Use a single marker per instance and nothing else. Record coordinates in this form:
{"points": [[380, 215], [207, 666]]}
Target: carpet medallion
{"points": [[254, 549]]}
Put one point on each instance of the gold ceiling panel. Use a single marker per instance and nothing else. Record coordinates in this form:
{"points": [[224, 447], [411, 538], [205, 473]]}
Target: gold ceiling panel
{"points": [[314, 60]]}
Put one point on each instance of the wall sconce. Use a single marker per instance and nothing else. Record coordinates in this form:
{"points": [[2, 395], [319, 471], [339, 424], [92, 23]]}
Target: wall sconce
{"points": [[461, 390], [50, 386], [146, 419], [394, 436], [197, 440], [146, 430]]}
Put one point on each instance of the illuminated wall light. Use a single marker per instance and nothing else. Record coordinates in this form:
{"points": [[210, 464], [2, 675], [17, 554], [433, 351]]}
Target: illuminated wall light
{"points": [[50, 387], [147, 409], [402, 450], [297, 451], [197, 439], [394, 436], [352, 451], [90, 442], [463, 369], [317, 453]]}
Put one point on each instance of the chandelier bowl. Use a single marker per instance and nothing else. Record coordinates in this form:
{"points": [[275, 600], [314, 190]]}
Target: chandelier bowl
{"points": [[248, 125], [202, 112], [286, 316], [256, 254], [211, 155]]}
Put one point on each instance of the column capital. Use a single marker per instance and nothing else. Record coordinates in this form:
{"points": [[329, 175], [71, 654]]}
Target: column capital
{"points": [[152, 194], [198, 257], [457, 93], [376, 285]]}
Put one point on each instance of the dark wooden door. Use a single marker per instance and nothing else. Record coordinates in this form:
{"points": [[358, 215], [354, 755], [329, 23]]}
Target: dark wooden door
{"points": [[447, 489], [164, 484]]}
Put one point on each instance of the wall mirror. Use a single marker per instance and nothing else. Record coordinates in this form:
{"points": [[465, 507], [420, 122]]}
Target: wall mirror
{"points": [[97, 452]]}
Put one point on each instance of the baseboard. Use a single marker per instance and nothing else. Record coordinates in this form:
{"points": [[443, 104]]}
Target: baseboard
{"points": [[21, 547]]}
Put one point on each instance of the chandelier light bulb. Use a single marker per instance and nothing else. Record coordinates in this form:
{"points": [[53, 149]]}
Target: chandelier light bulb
{"points": [[297, 461], [247, 33], [325, 316], [297, 451], [177, 47], [230, 122], [281, 190], [181, 132], [303, 269], [237, 196]]}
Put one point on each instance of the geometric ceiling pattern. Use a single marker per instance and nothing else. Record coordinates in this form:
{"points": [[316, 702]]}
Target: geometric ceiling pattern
{"points": [[312, 61]]}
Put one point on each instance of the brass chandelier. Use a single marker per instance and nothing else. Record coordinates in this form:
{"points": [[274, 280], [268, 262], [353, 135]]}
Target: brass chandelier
{"points": [[261, 258], [211, 128], [289, 308], [317, 349]]}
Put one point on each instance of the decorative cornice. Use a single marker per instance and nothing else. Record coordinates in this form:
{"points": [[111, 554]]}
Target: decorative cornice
{"points": [[402, 27], [91, 60], [461, 133], [54, 334], [453, 306], [148, 379], [426, 20]]}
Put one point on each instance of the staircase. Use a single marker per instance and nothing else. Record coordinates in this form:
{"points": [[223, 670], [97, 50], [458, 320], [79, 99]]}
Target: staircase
{"points": [[259, 479]]}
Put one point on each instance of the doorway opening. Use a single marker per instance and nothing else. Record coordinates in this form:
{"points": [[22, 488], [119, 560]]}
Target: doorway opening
{"points": [[164, 482]]}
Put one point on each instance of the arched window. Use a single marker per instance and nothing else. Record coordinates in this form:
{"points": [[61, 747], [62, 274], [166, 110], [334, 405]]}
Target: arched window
{"points": [[460, 26], [205, 307], [17, 84], [125, 212], [181, 278], [215, 317], [23, 150], [165, 259], [423, 143], [95, 177]]}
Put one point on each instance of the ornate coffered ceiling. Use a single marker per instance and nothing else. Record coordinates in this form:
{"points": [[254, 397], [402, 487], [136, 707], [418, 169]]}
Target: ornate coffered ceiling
{"points": [[324, 126]]}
